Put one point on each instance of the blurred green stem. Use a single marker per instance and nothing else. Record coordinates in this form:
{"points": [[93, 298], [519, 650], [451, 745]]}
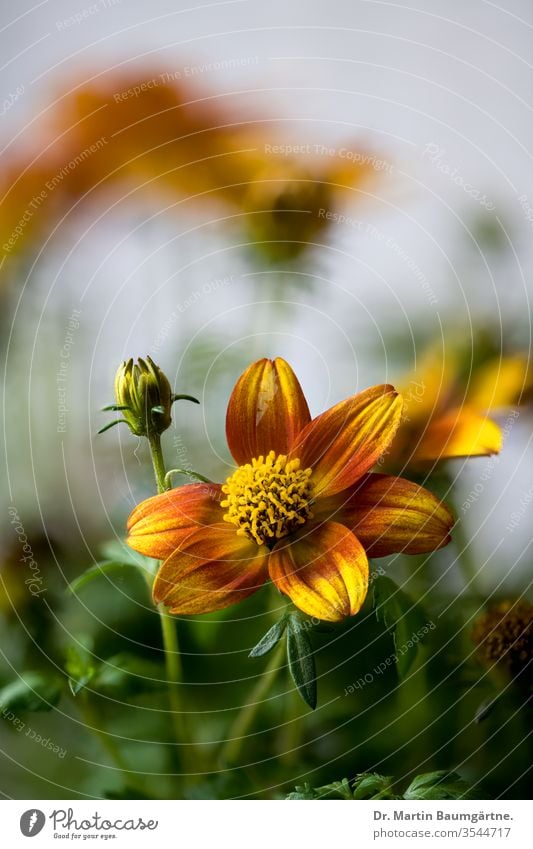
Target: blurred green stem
{"points": [[243, 721], [168, 624], [465, 560], [107, 741]]}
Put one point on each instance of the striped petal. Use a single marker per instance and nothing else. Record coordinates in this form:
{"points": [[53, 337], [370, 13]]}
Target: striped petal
{"points": [[347, 440], [157, 526], [212, 569], [324, 571], [266, 411], [389, 514], [458, 433]]}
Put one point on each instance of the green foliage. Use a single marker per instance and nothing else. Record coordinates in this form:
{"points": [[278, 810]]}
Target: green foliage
{"points": [[405, 619], [270, 639], [79, 665], [371, 785], [123, 674], [106, 567], [33, 691], [437, 785], [301, 660]]}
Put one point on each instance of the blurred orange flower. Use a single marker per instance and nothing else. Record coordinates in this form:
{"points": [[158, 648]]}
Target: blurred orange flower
{"points": [[153, 134], [302, 506]]}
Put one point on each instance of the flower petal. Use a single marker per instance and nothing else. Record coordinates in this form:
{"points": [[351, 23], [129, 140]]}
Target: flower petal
{"points": [[458, 433], [157, 526], [266, 411], [347, 440], [389, 514], [211, 569], [323, 571], [500, 383]]}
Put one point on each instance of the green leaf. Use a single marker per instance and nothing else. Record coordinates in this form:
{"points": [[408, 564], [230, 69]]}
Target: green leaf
{"points": [[108, 567], [486, 707], [79, 665], [405, 619], [301, 661], [125, 674], [371, 785], [270, 639], [35, 691], [302, 791], [337, 788], [437, 785]]}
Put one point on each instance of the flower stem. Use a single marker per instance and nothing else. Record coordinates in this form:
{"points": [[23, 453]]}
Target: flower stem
{"points": [[466, 561], [158, 463], [231, 747], [169, 633], [107, 741], [173, 670]]}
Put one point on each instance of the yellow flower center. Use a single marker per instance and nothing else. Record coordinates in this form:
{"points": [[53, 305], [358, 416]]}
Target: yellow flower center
{"points": [[268, 498]]}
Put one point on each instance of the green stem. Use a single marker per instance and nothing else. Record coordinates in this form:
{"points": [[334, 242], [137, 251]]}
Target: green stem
{"points": [[157, 461], [173, 670], [168, 624], [107, 741], [465, 560], [243, 721]]}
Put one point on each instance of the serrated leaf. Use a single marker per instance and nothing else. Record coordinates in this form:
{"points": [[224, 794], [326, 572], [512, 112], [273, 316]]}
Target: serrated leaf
{"points": [[338, 788], [405, 619], [437, 785], [270, 639], [302, 792], [97, 571], [33, 691], [371, 785], [301, 661]]}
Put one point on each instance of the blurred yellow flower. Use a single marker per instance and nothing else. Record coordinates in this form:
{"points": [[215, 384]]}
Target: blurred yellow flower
{"points": [[449, 414]]}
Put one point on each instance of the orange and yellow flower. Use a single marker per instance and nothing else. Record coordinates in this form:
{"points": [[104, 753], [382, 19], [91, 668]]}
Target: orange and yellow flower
{"points": [[302, 506]]}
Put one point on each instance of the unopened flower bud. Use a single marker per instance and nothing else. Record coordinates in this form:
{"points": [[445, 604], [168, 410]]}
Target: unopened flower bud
{"points": [[144, 395]]}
